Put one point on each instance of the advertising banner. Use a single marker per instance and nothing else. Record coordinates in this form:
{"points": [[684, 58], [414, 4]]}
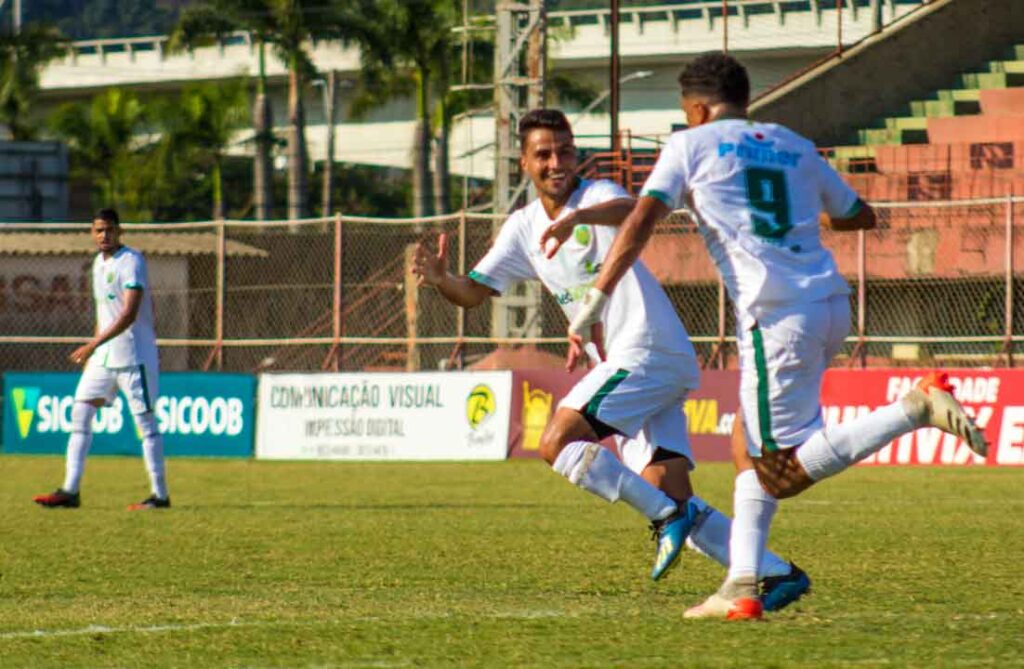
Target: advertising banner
{"points": [[384, 416], [199, 414], [994, 397], [710, 411]]}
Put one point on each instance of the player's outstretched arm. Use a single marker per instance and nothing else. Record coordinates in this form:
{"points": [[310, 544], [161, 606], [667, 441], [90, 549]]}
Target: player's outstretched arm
{"points": [[132, 302], [431, 268], [864, 219], [611, 212]]}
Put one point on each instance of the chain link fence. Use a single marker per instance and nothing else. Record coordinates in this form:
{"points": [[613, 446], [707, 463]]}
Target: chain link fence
{"points": [[937, 283]]}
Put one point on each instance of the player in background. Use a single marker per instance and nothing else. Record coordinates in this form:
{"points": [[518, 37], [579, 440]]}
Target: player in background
{"points": [[122, 354], [757, 191], [636, 390]]}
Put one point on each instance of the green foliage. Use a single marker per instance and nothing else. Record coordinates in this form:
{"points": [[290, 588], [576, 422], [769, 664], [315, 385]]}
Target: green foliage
{"points": [[94, 19], [22, 57], [488, 565]]}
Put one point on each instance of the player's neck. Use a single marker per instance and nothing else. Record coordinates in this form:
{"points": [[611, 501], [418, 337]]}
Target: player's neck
{"points": [[553, 205], [107, 255]]}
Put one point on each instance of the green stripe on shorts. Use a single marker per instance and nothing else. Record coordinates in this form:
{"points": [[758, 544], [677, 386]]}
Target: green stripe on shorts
{"points": [[145, 388], [606, 388], [764, 409]]}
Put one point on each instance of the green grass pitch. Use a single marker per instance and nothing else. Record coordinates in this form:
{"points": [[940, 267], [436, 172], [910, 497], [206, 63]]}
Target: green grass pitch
{"points": [[489, 565]]}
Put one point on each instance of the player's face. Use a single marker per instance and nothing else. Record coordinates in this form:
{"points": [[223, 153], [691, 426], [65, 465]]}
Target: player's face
{"points": [[697, 110], [549, 157], [106, 235]]}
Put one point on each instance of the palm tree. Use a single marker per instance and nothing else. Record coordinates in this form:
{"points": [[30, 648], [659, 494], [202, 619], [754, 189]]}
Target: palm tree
{"points": [[103, 136], [22, 56], [200, 125], [288, 27]]}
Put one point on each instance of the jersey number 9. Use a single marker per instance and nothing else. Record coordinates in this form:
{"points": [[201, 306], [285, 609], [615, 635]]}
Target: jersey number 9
{"points": [[769, 199]]}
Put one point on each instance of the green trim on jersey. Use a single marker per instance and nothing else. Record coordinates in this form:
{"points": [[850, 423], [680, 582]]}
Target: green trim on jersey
{"points": [[134, 285], [659, 195], [606, 388], [764, 415], [483, 280], [145, 389], [855, 209]]}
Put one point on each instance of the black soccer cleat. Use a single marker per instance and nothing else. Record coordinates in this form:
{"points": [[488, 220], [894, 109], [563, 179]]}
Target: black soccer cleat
{"points": [[59, 499], [151, 502]]}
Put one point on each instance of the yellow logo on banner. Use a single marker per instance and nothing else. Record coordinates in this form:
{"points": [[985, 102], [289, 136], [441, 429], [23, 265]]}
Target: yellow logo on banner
{"points": [[536, 412], [25, 400], [701, 416], [479, 405]]}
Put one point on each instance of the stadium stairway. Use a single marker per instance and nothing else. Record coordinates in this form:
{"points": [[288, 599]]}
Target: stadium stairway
{"points": [[965, 141]]}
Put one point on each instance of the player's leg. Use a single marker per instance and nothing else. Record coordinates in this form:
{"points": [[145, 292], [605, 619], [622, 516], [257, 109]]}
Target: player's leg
{"points": [[96, 388], [140, 386], [569, 445], [661, 452]]}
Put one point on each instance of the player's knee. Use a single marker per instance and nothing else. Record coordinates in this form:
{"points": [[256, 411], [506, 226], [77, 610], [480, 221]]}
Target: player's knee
{"points": [[82, 414], [147, 424]]}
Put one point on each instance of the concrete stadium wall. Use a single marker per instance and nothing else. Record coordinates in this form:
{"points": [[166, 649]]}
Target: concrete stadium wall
{"points": [[905, 61]]}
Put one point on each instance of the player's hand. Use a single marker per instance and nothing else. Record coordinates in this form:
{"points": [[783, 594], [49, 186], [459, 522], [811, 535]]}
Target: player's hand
{"points": [[81, 354], [555, 235], [586, 327], [431, 267]]}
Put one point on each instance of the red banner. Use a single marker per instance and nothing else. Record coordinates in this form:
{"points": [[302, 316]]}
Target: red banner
{"points": [[994, 397]]}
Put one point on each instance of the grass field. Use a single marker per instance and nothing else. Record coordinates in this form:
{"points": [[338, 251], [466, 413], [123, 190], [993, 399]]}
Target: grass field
{"points": [[375, 565]]}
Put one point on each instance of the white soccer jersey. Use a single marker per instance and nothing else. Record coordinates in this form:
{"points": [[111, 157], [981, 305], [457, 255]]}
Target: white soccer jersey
{"points": [[111, 279], [639, 319], [757, 190]]}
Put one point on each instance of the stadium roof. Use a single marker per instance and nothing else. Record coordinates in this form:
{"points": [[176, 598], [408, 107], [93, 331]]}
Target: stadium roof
{"points": [[150, 243]]}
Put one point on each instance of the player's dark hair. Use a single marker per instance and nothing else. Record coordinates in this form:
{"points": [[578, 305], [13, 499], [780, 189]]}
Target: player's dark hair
{"points": [[719, 76], [108, 215], [549, 119]]}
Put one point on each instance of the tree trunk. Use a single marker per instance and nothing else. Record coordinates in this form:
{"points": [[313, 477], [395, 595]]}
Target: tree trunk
{"points": [[263, 124], [297, 157], [327, 194], [216, 176], [421, 150], [442, 176]]}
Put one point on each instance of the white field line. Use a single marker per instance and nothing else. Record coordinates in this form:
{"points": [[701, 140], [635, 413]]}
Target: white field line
{"points": [[190, 627]]}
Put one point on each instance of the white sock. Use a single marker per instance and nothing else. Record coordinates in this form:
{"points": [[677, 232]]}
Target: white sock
{"points": [[593, 468], [754, 509], [710, 538], [836, 447], [153, 453], [78, 444]]}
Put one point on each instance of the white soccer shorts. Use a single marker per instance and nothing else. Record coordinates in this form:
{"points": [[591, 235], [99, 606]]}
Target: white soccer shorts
{"points": [[644, 403], [782, 361], [138, 383]]}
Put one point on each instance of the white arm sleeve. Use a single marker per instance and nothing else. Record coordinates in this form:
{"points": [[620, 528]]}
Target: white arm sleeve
{"points": [[133, 273], [508, 260], [671, 176], [837, 197]]}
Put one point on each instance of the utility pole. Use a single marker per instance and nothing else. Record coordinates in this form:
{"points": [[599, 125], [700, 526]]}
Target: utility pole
{"points": [[330, 98], [613, 83]]}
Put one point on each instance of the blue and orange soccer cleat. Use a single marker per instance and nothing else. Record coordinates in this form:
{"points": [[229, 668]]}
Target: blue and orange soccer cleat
{"points": [[778, 592], [670, 535]]}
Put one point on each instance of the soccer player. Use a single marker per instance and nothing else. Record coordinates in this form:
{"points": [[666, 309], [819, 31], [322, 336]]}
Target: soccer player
{"points": [[636, 390], [122, 354], [756, 191]]}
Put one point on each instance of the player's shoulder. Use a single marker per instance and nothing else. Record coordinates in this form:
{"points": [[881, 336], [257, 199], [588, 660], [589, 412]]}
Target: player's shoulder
{"points": [[605, 189]]}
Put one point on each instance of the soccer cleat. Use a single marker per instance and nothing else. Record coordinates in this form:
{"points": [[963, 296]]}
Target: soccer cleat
{"points": [[59, 498], [716, 606], [151, 502], [947, 414], [778, 592], [670, 535]]}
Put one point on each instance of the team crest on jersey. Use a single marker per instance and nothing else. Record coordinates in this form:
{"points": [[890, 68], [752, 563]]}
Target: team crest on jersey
{"points": [[110, 277], [581, 233]]}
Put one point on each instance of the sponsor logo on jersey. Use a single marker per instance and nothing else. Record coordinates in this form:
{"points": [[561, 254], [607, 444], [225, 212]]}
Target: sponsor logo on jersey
{"points": [[753, 150]]}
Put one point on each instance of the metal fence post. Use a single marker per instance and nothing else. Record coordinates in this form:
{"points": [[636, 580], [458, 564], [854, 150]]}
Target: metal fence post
{"points": [[862, 294], [335, 354], [460, 323], [1008, 343], [217, 354]]}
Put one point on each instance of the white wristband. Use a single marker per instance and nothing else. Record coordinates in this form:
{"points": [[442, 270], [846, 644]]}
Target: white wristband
{"points": [[591, 310]]}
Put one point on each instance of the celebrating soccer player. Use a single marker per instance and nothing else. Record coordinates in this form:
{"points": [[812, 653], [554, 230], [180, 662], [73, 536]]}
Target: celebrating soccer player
{"points": [[641, 376], [756, 191], [122, 354]]}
